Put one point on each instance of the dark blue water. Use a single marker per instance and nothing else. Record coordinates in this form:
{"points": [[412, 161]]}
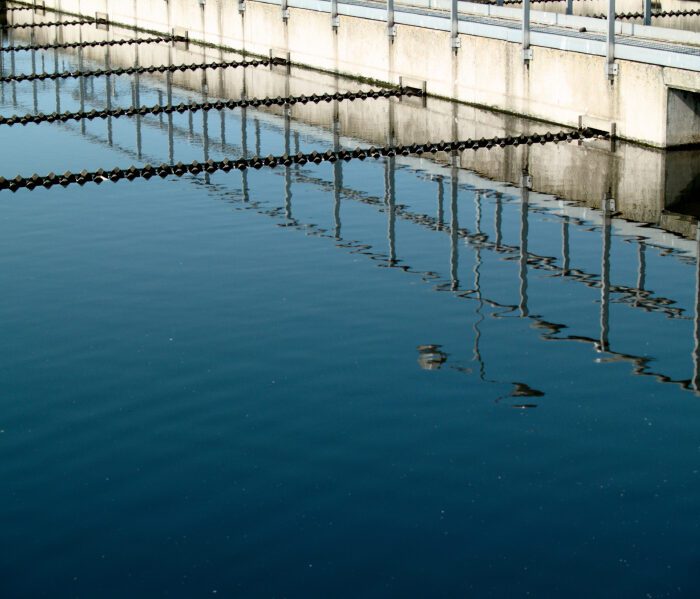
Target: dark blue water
{"points": [[391, 378]]}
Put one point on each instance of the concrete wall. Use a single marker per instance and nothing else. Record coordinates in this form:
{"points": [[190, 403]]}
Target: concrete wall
{"points": [[558, 86], [645, 182]]}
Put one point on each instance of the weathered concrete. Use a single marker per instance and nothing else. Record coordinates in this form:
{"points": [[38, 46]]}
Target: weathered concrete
{"points": [[645, 182], [557, 86]]}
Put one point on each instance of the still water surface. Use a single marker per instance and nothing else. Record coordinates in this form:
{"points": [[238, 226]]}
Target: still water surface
{"points": [[384, 378]]}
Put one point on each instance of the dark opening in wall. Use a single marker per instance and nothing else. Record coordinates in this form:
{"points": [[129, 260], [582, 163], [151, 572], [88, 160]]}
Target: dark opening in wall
{"points": [[682, 118]]}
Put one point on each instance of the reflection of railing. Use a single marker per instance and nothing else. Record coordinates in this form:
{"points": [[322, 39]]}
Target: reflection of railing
{"points": [[635, 297]]}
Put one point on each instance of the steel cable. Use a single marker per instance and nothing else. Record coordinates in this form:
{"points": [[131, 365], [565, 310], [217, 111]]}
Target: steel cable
{"points": [[141, 70], [63, 117], [53, 24], [164, 170], [96, 44]]}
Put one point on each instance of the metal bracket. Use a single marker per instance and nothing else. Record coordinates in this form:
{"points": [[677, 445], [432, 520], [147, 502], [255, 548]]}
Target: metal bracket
{"points": [[241, 6], [611, 70], [456, 43], [391, 31], [285, 14], [102, 21], [526, 182], [335, 23], [527, 54], [183, 33]]}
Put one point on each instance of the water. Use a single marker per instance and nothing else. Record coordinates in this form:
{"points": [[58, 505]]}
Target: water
{"points": [[381, 378]]}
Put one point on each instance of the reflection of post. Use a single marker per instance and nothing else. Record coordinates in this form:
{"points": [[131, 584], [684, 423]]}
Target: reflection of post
{"points": [[440, 204], [205, 129], [244, 143], [696, 350], [498, 220], [108, 94], [642, 273], [258, 149], [390, 200], [81, 87], [287, 169], [524, 226], [169, 94], [454, 226], [565, 246], [13, 71], [337, 169], [137, 101], [58, 81], [477, 288], [32, 41], [605, 277], [2, 63]]}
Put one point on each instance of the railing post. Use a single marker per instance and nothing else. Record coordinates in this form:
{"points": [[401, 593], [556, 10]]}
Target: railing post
{"points": [[285, 10], [455, 24], [390, 26], [610, 66], [335, 21], [647, 12], [527, 50], [569, 7]]}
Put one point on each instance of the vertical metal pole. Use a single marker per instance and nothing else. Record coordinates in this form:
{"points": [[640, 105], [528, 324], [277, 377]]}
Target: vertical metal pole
{"points": [[569, 7], [527, 51], [390, 25], [647, 12], [455, 24], [285, 10], [335, 20], [610, 66]]}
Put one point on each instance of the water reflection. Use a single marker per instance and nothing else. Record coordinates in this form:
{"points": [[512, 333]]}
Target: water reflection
{"points": [[342, 125]]}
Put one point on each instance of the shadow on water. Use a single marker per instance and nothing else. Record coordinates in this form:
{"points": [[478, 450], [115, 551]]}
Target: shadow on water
{"points": [[589, 186]]}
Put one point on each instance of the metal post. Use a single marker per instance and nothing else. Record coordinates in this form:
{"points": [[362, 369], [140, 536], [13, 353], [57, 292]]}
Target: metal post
{"points": [[285, 10], [527, 51], [647, 12], [610, 66], [390, 26], [569, 7], [455, 24], [335, 20]]}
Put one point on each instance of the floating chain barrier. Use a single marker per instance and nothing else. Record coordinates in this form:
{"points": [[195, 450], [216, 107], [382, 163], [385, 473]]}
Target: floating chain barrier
{"points": [[71, 45], [63, 117], [19, 8], [257, 162], [663, 13], [141, 70], [53, 24]]}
